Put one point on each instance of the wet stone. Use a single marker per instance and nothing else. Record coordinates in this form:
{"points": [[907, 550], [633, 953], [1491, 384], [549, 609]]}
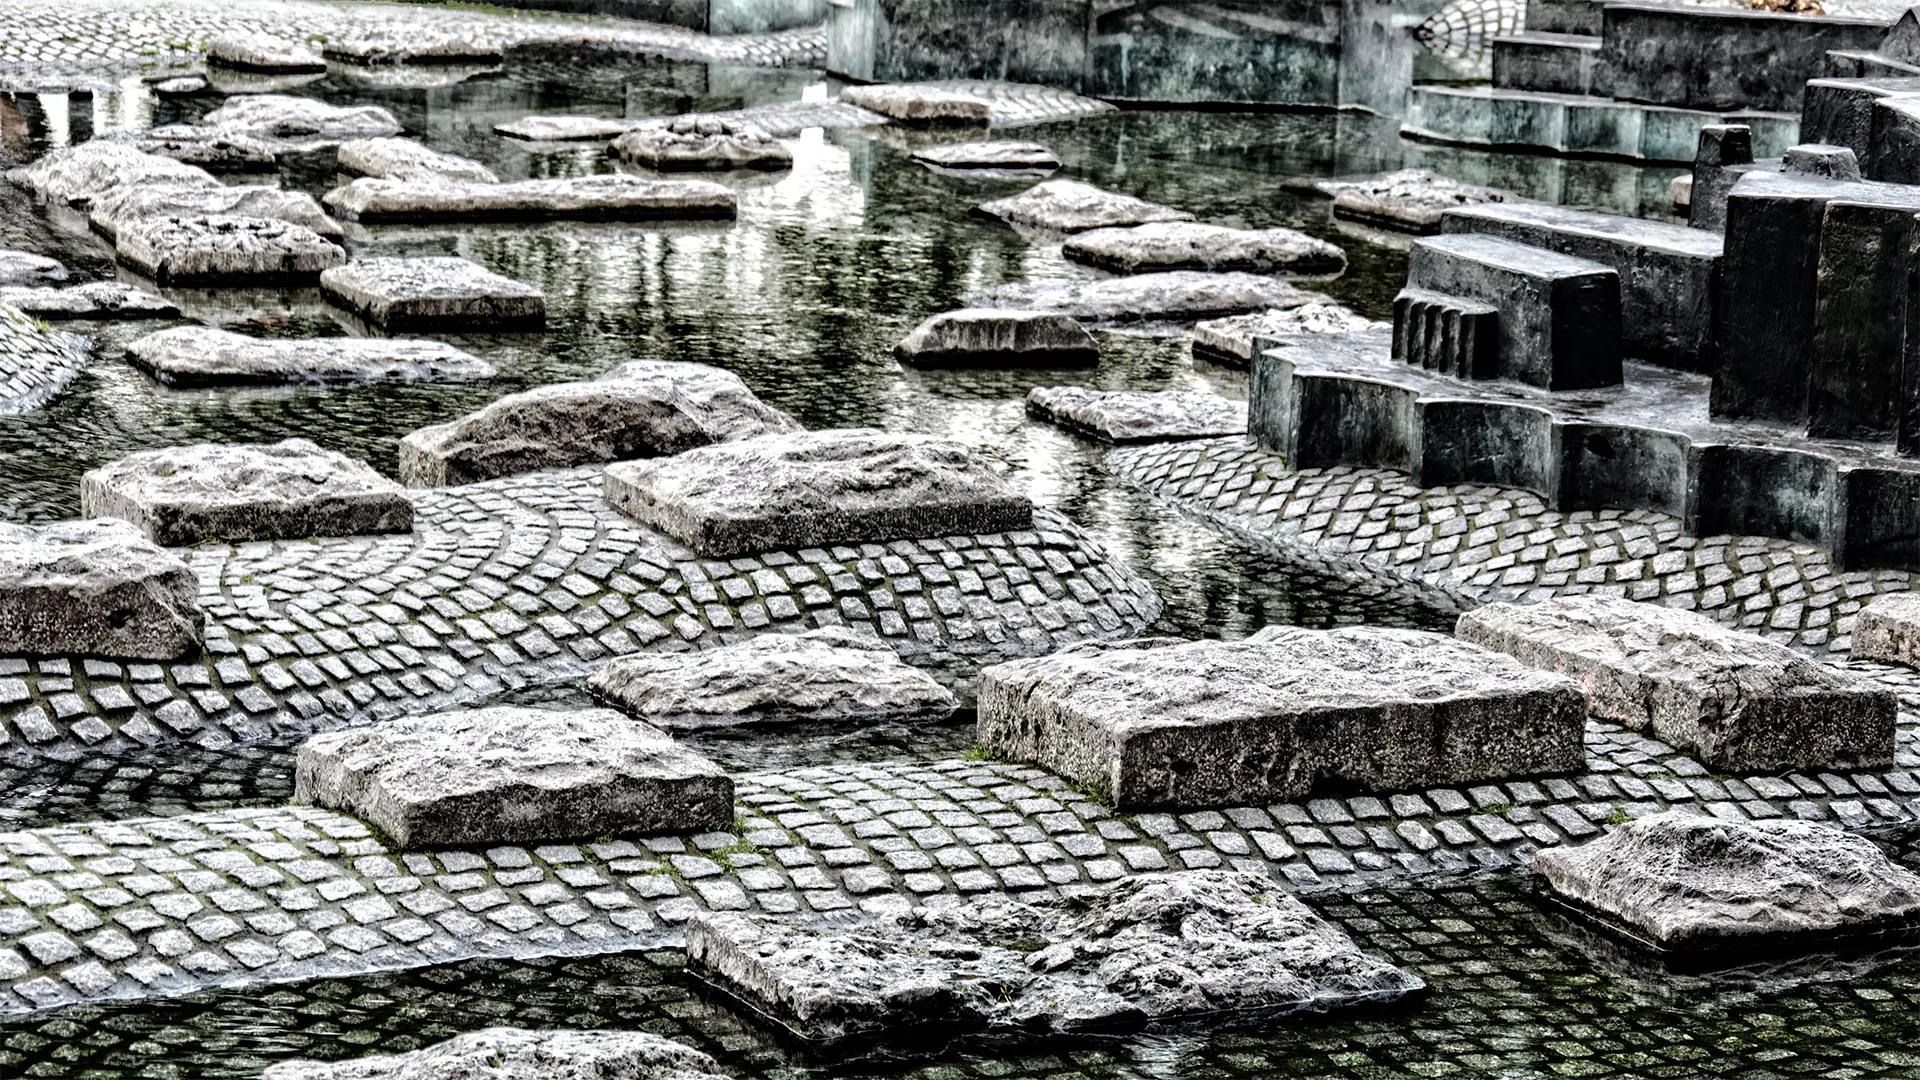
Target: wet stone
{"points": [[502, 1053], [109, 213], [438, 290], [1411, 199], [601, 197], [209, 149], [404, 159], [918, 104], [76, 175], [35, 361], [26, 268], [184, 86], [701, 142], [93, 300], [223, 249], [1175, 296], [209, 356], [1072, 206], [263, 52], [1230, 340], [566, 128], [828, 675], [95, 588], [1009, 155], [998, 337], [644, 408], [814, 489], [1189, 245], [1131, 416], [410, 45], [509, 775], [303, 119], [183, 495]]}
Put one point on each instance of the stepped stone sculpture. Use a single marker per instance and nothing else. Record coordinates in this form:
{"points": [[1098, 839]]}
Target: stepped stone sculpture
{"points": [[219, 248], [503, 1053], [1071, 206], [437, 290], [263, 52], [95, 588], [404, 159], [701, 142], [208, 356], [1135, 416], [997, 337], [512, 775], [1009, 155], [1174, 296], [1189, 245], [183, 495], [815, 489], [109, 213], [645, 408], [599, 197], [1411, 199], [919, 104], [1285, 713], [281, 117]]}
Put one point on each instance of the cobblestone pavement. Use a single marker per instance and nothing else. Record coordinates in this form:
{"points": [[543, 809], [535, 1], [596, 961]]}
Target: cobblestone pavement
{"points": [[35, 360]]}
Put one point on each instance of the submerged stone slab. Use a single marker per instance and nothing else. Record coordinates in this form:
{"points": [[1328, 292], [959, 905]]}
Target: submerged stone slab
{"points": [[1175, 296], [1411, 199], [35, 361], [404, 159], [209, 148], [224, 248], [1888, 629], [1181, 946], [918, 104], [26, 268], [512, 775], [701, 142], [601, 197], [816, 489], [209, 356], [1230, 340], [1011, 155], [95, 588], [410, 44], [184, 495], [110, 212], [503, 1053], [567, 128], [77, 175], [94, 300], [1280, 715], [645, 408], [438, 290], [830, 675], [1190, 245], [1132, 416], [1685, 881], [997, 337], [1741, 702], [263, 52], [1071, 206], [282, 117]]}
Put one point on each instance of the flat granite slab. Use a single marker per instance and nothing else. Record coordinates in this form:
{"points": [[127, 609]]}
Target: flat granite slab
{"points": [[701, 142], [279, 116], [109, 212], [27, 268], [263, 52], [1072, 206], [1174, 296], [412, 44], [999, 337], [1737, 700], [816, 488], [93, 300], [506, 775], [1134, 416], [1189, 724], [503, 1053], [95, 588], [916, 104], [223, 249], [210, 148], [209, 356], [404, 159], [604, 197], [1190, 245], [1009, 155], [183, 495], [1411, 199], [433, 291], [76, 175]]}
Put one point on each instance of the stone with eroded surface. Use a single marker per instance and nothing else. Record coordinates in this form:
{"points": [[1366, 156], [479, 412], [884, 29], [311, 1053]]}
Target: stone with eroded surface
{"points": [[280, 116], [404, 159], [594, 198], [701, 142], [77, 175], [434, 290], [1190, 245], [221, 248], [1136, 416], [1174, 296], [1411, 199], [502, 1053], [209, 148], [999, 337], [1888, 629], [110, 212], [1010, 155], [1072, 206], [263, 52], [93, 300], [26, 268], [1230, 340], [95, 588], [209, 356], [916, 104], [410, 44]]}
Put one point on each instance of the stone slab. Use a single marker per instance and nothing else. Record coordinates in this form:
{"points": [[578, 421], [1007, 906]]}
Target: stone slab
{"points": [[76, 175], [95, 588], [567, 128], [263, 52], [210, 148], [1000, 154], [594, 198], [404, 159], [815, 489], [504, 775], [279, 116], [914, 104], [110, 212], [1546, 62], [412, 44], [701, 142], [503, 1053], [1410, 199], [1173, 296], [209, 356], [1190, 245], [1231, 340], [1134, 416], [999, 337], [1559, 315], [1712, 58], [1071, 206], [224, 249], [93, 300], [27, 268], [1888, 630], [439, 290]]}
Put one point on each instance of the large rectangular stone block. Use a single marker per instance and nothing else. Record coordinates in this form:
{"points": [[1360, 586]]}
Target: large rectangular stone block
{"points": [[1839, 112], [1559, 315], [1716, 58], [1545, 63], [1280, 715], [95, 588], [1854, 369], [1737, 700]]}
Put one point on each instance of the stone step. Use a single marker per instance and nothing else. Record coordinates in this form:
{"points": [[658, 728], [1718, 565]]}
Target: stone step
{"points": [[1839, 112], [1546, 62], [1446, 334], [1581, 17], [1573, 124]]}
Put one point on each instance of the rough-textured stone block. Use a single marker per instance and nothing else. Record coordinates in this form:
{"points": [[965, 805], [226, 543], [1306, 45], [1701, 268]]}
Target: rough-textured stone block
{"points": [[1859, 344], [404, 159], [77, 175], [93, 300], [210, 149], [410, 43], [1177, 295], [263, 52], [1004, 154], [1231, 340], [999, 337], [566, 128], [1546, 63], [26, 268], [281, 117], [109, 212], [501, 1053], [1071, 206], [1823, 160], [1739, 701], [1134, 416], [1411, 199], [433, 291], [1559, 315], [1839, 112], [612, 196], [209, 356], [919, 104], [701, 142], [511, 775], [1888, 629], [95, 588], [816, 488], [1282, 714], [1712, 58], [219, 249], [1188, 245]]}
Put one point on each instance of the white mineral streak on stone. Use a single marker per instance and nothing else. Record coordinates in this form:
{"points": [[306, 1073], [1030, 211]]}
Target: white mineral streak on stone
{"points": [[76, 175], [1309, 313], [93, 300], [404, 159], [919, 104], [511, 775], [183, 495], [999, 337], [701, 142], [26, 268], [263, 52], [502, 1053], [224, 248], [112, 211], [1188, 245], [1130, 416], [1409, 199], [1071, 206], [35, 362], [411, 45], [436, 290], [1007, 154], [95, 588], [831, 674], [604, 196], [816, 488], [1175, 296], [208, 356], [281, 117], [1684, 880]]}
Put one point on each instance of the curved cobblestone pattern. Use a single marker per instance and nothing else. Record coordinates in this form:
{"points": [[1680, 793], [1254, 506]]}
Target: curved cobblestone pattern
{"points": [[35, 361]]}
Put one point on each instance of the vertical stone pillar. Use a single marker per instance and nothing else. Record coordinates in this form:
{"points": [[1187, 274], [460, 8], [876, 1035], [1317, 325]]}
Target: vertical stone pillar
{"points": [[1854, 376]]}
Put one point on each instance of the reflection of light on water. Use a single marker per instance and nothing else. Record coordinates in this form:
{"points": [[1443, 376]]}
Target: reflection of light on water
{"points": [[814, 92], [819, 191], [59, 124], [135, 106]]}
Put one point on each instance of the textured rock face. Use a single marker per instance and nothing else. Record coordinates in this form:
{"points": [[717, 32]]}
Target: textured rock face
{"points": [[1889, 629], [223, 248], [1231, 338], [1413, 199], [184, 495], [502, 1053], [1005, 154], [263, 52], [815, 488], [411, 45], [916, 104], [646, 408], [94, 300], [1131, 416], [76, 175], [209, 149], [35, 362], [439, 290], [1687, 881], [602, 197], [208, 356], [510, 775], [830, 674], [95, 588], [404, 159], [1284, 713], [1175, 296], [1071, 206], [989, 337], [701, 142], [566, 128], [1739, 701], [1188, 245], [1161, 947], [26, 268], [110, 212], [281, 117]]}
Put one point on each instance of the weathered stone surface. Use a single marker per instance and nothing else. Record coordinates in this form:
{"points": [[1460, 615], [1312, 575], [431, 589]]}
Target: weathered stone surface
{"points": [[183, 86], [76, 175], [1156, 947], [1284, 713], [1231, 338], [404, 159], [35, 362], [410, 44], [224, 248], [1888, 629], [281, 117], [1071, 206], [567, 128], [701, 142], [1739, 701], [1131, 416], [209, 148], [26, 268], [209, 356], [1189, 245], [1412, 199], [263, 52], [502, 1053], [184, 495], [1175, 296], [95, 588], [816, 488], [915, 104], [645, 408], [109, 212], [508, 775], [599, 197], [94, 300], [1682, 880], [439, 290], [998, 337], [827, 675], [1010, 155]]}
